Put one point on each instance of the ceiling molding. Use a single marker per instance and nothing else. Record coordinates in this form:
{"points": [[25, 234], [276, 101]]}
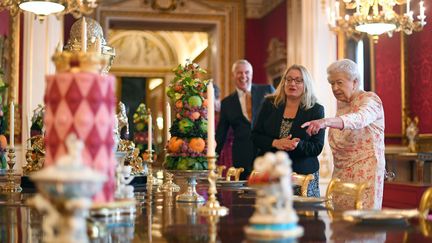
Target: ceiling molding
{"points": [[256, 9]]}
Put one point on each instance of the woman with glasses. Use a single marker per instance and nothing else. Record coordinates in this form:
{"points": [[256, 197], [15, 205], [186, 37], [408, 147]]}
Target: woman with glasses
{"points": [[278, 124], [356, 136]]}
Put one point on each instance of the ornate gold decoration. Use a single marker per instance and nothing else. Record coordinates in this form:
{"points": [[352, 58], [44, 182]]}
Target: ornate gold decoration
{"points": [[355, 190], [219, 170], [133, 159], [302, 181], [122, 118], [94, 31], [226, 28], [35, 156], [11, 5], [79, 61], [167, 5], [75, 7], [11, 185], [276, 61], [374, 17], [234, 172], [169, 185], [411, 132]]}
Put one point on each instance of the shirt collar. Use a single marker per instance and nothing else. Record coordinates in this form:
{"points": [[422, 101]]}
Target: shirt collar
{"points": [[241, 92]]}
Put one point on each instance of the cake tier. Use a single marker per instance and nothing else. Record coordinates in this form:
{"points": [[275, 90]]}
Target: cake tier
{"points": [[82, 103]]}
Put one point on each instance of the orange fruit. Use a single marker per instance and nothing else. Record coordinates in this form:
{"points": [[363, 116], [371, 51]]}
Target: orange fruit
{"points": [[197, 144], [175, 144], [3, 141]]}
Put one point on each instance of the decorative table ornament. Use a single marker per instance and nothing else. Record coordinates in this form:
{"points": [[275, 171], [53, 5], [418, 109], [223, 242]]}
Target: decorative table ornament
{"points": [[190, 194], [412, 131], [274, 217], [169, 185], [65, 192], [11, 183], [124, 177]]}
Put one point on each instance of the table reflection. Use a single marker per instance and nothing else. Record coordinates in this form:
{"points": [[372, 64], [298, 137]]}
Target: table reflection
{"points": [[159, 218]]}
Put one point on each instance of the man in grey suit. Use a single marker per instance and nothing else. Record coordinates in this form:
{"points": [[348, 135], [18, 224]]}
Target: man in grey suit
{"points": [[238, 111]]}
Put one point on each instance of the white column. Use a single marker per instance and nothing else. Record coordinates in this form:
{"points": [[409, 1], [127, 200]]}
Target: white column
{"points": [[39, 42], [312, 44]]}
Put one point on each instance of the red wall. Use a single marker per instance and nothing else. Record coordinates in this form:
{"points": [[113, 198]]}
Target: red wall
{"points": [[419, 76], [259, 32], [388, 81], [419, 48], [4, 23]]}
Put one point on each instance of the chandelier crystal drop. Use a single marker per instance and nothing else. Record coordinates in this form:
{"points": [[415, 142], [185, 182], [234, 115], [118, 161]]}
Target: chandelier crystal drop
{"points": [[374, 17]]}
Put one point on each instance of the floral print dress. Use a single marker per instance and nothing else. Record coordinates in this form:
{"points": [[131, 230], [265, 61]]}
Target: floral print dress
{"points": [[358, 148]]}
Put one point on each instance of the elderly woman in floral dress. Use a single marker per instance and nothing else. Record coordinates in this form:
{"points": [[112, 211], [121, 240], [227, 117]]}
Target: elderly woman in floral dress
{"points": [[356, 136]]}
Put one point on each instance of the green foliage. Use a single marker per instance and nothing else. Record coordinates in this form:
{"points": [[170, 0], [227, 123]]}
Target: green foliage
{"points": [[186, 163], [188, 81], [198, 130]]}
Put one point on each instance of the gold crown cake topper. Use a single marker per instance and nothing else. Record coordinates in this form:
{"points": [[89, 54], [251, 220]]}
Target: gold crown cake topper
{"points": [[86, 34], [66, 61]]}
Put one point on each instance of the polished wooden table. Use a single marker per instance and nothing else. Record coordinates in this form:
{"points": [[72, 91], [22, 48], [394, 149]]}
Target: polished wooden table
{"points": [[160, 219]]}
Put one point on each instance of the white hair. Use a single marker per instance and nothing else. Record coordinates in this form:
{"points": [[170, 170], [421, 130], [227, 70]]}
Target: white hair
{"points": [[347, 67], [243, 62]]}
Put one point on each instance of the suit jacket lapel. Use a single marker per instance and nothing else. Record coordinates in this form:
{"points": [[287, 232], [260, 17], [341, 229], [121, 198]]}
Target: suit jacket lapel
{"points": [[237, 105], [296, 122], [278, 123]]}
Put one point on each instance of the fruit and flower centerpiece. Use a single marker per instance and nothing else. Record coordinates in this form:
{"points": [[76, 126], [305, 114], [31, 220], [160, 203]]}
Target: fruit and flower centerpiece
{"points": [[140, 121], [187, 147]]}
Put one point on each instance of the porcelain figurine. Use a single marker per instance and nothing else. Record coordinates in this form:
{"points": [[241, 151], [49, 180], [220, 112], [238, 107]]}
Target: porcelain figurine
{"points": [[274, 217]]}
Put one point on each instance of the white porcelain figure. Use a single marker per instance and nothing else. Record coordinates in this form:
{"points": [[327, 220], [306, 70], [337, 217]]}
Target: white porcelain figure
{"points": [[274, 216], [124, 177]]}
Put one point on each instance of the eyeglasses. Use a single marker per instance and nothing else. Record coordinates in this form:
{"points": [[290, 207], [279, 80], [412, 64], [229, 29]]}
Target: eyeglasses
{"points": [[296, 80]]}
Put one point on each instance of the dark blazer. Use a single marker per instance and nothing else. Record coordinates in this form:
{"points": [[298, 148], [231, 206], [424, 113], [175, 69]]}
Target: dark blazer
{"points": [[267, 128], [231, 115]]}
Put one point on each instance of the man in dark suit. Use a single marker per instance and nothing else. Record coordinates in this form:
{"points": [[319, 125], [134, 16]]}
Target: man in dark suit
{"points": [[238, 111]]}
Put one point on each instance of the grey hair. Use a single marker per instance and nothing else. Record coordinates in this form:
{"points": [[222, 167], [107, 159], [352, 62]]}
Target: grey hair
{"points": [[241, 61], [347, 67]]}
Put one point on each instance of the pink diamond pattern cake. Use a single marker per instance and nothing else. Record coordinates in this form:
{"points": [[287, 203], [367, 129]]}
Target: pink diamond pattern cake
{"points": [[82, 103]]}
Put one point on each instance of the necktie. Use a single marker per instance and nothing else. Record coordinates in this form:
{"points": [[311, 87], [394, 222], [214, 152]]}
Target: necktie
{"points": [[249, 105]]}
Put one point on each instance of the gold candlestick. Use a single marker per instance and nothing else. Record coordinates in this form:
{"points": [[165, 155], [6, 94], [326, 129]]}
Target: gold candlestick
{"points": [[149, 161], [11, 186], [212, 206], [213, 220]]}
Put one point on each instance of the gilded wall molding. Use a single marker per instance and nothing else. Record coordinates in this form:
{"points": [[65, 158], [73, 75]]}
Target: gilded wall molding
{"points": [[256, 9], [14, 50], [224, 20]]}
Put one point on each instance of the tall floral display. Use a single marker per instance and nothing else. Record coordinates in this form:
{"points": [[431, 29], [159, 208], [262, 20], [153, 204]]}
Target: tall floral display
{"points": [[140, 121], [187, 146]]}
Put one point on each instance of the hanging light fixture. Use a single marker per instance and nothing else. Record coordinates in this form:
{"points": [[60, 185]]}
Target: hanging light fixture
{"points": [[42, 8], [374, 17]]}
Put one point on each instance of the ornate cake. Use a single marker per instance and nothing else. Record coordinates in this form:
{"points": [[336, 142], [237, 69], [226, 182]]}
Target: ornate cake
{"points": [[80, 99], [187, 146], [274, 217]]}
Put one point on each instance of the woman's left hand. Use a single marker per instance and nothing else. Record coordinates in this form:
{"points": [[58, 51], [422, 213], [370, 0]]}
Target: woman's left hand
{"points": [[314, 126]]}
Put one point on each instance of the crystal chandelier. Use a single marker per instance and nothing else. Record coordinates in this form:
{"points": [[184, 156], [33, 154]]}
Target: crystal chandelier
{"points": [[374, 17], [42, 8]]}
